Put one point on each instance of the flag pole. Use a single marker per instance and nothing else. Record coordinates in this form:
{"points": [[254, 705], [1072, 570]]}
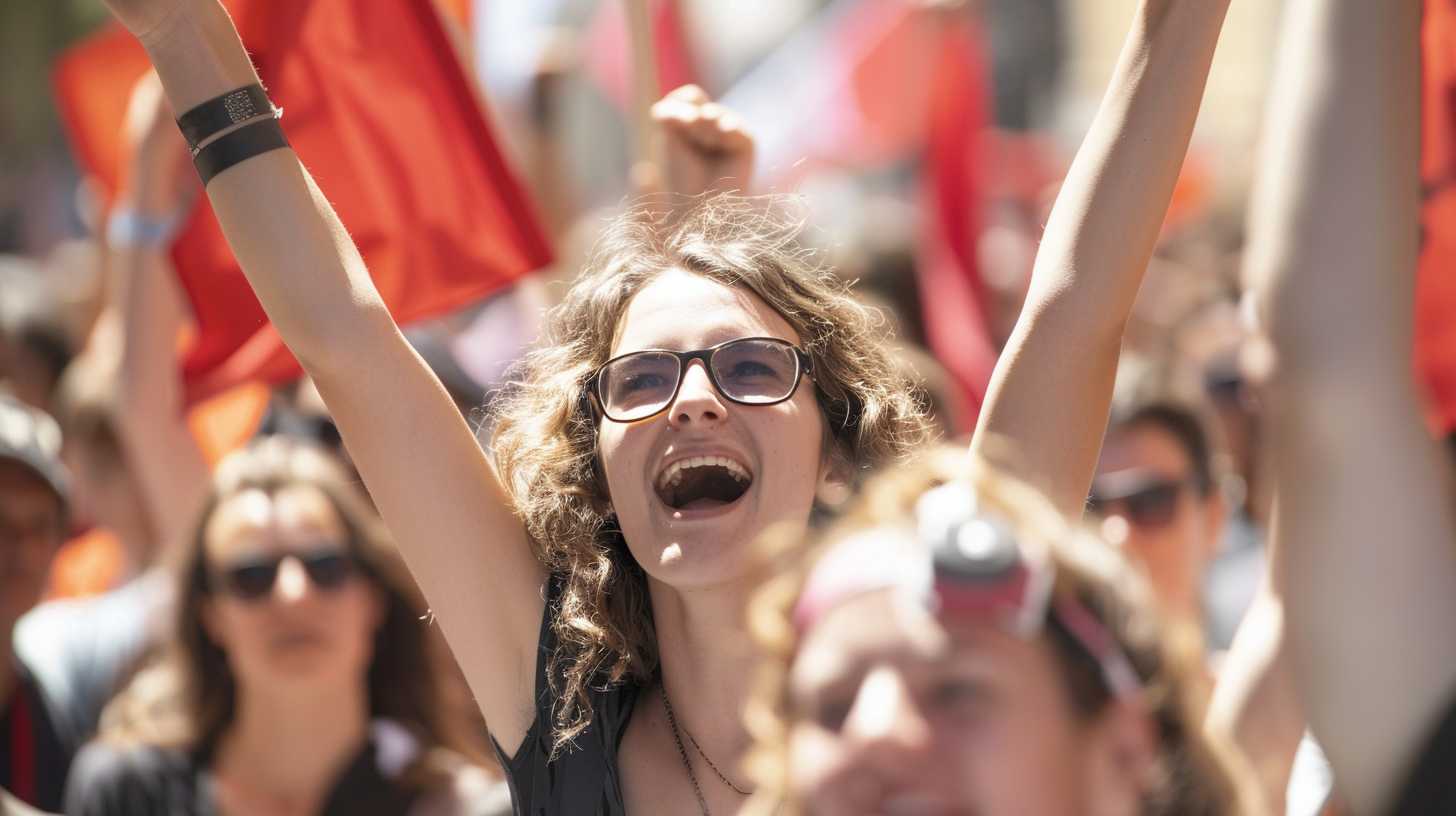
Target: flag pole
{"points": [[646, 169]]}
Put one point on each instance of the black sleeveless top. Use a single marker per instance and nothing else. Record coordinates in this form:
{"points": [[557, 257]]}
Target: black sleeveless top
{"points": [[583, 780]]}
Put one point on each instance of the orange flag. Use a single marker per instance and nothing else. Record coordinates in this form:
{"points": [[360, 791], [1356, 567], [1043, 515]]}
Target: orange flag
{"points": [[384, 116]]}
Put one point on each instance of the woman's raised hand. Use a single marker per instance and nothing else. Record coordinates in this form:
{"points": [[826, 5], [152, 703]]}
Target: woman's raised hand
{"points": [[704, 145]]}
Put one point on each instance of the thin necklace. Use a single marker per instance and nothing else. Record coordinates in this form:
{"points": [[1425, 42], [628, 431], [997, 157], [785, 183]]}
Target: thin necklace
{"points": [[683, 752], [725, 780], [687, 763]]}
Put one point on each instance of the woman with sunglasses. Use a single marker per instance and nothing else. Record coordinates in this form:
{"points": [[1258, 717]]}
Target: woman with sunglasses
{"points": [[952, 646], [300, 679], [1157, 495], [591, 579]]}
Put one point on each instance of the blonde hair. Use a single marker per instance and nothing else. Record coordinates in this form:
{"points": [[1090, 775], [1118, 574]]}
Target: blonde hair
{"points": [[545, 437], [1194, 778]]}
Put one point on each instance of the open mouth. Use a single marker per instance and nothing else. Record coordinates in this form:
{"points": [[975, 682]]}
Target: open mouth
{"points": [[702, 483]]}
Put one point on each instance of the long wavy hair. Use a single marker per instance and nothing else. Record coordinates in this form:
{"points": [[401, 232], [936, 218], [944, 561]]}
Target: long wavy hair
{"points": [[545, 436], [1195, 776], [186, 698]]}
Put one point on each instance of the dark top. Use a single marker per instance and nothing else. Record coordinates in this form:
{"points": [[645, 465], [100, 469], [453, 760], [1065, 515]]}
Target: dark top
{"points": [[584, 779], [81, 651], [145, 780], [1431, 787], [34, 758]]}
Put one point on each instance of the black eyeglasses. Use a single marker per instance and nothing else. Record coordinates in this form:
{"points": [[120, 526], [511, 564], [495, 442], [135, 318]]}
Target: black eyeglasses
{"points": [[252, 579], [748, 371], [1151, 506]]}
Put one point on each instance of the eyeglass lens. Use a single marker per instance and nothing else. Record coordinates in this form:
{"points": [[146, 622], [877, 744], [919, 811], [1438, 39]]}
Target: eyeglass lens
{"points": [[748, 371]]}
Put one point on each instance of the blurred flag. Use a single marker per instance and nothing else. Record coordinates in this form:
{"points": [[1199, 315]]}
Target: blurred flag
{"points": [[607, 49], [847, 89], [380, 110], [952, 293], [1435, 317]]}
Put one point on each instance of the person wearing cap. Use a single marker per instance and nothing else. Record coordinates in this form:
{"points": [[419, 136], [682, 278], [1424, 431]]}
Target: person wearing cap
{"points": [[34, 758]]}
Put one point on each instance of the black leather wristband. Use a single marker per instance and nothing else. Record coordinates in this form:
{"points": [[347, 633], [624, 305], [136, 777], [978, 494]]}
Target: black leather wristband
{"points": [[223, 112], [238, 146]]}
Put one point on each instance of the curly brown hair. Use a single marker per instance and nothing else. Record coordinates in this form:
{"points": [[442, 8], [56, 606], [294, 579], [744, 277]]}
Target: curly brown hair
{"points": [[1196, 776], [545, 432]]}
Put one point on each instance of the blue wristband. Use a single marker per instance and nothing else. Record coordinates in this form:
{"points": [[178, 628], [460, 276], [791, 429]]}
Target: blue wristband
{"points": [[127, 229]]}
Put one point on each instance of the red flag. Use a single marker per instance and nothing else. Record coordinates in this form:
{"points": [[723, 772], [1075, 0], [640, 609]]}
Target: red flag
{"points": [[607, 47], [380, 110], [952, 293], [1435, 315]]}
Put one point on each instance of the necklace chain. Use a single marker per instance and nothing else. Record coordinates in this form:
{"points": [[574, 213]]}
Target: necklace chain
{"points": [[677, 735], [725, 780], [683, 752]]}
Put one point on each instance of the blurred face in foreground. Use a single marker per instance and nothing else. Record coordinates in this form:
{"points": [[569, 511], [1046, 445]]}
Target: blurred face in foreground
{"points": [[289, 603], [898, 712]]}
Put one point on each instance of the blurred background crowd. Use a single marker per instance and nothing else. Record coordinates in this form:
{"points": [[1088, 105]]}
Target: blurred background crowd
{"points": [[925, 141]]}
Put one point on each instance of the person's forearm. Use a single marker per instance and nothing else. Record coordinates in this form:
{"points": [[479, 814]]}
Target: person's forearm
{"points": [[1364, 518], [163, 456], [1255, 706], [1104, 226], [297, 256], [1052, 388]]}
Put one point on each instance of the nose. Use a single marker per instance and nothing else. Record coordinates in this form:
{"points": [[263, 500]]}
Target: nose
{"points": [[292, 583], [697, 401], [886, 726]]}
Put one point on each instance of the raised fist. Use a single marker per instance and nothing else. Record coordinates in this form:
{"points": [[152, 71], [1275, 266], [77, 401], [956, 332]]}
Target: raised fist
{"points": [[704, 146]]}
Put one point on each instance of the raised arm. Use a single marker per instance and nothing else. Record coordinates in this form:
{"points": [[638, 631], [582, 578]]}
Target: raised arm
{"points": [[1255, 709], [1365, 519], [1051, 392], [158, 189], [418, 457]]}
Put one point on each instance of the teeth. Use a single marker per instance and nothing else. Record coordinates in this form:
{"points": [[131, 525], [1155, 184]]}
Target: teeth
{"points": [[673, 475]]}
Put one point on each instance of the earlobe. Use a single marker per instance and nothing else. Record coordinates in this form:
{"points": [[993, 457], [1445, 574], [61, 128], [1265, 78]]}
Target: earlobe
{"points": [[833, 489], [832, 492]]}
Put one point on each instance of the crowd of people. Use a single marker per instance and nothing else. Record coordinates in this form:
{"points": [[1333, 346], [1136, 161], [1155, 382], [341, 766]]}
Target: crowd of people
{"points": [[722, 538]]}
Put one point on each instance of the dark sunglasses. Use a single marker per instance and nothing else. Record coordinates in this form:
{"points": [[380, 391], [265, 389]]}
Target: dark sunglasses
{"points": [[748, 371], [1151, 506], [253, 579]]}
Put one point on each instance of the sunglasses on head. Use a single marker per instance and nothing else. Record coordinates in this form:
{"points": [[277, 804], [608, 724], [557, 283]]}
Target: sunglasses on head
{"points": [[1152, 505], [748, 371], [252, 579]]}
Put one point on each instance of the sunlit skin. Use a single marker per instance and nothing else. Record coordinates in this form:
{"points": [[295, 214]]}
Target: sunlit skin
{"points": [[781, 445], [30, 533], [299, 635], [1175, 555], [897, 712]]}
